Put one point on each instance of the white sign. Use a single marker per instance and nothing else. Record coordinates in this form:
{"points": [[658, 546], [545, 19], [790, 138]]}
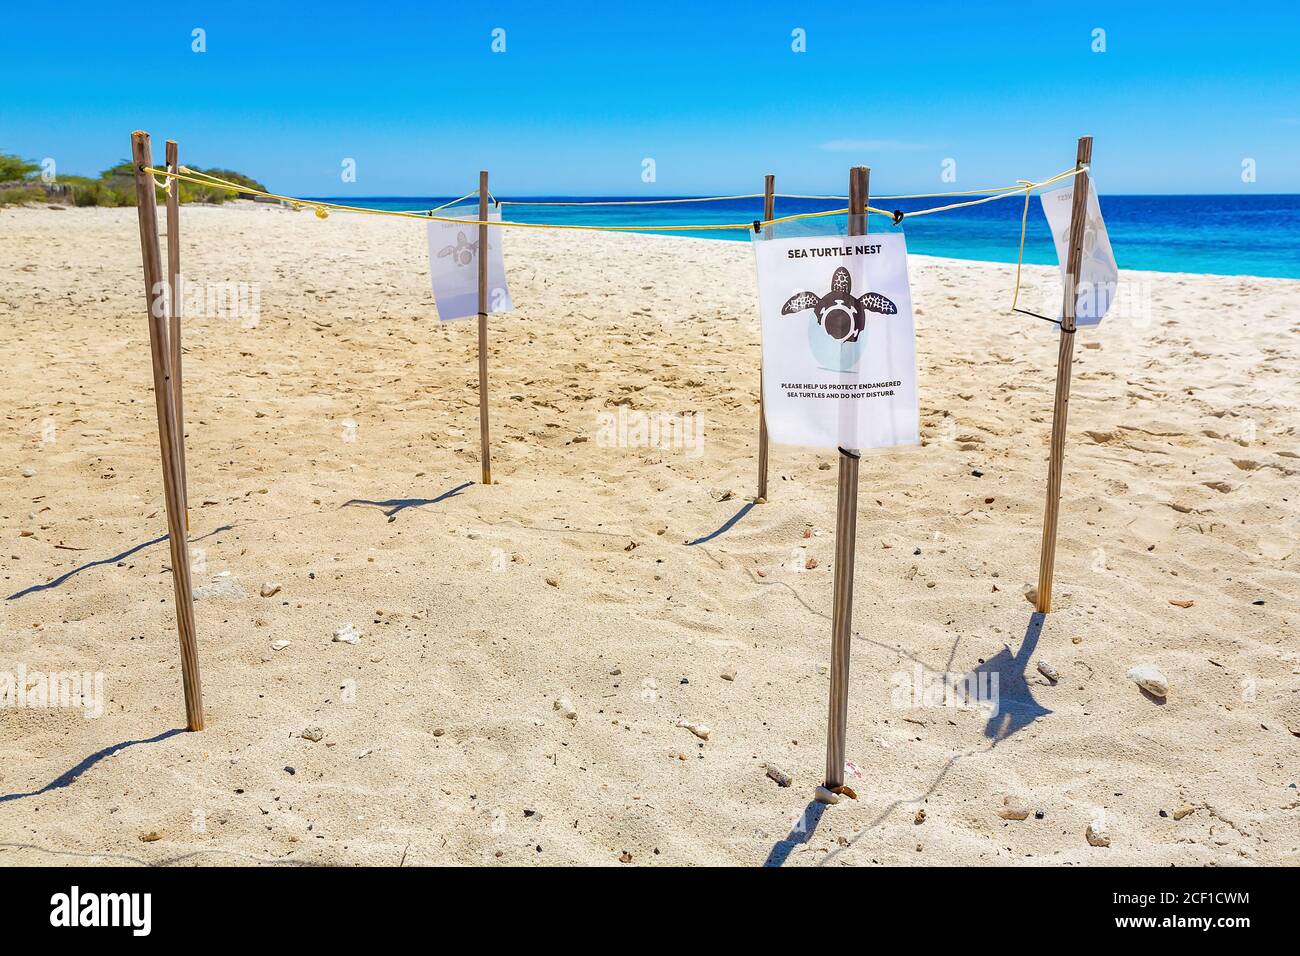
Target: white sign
{"points": [[1098, 273], [453, 268], [839, 344]]}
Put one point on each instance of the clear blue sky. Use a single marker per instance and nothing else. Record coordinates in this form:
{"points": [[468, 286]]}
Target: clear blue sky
{"points": [[712, 92]]}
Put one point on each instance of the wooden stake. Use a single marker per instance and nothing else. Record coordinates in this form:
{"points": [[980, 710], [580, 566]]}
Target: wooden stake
{"points": [[174, 316], [769, 211], [147, 209], [846, 531], [485, 450], [1064, 359]]}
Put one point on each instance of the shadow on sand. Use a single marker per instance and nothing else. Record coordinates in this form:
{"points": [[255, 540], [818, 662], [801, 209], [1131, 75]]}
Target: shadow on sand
{"points": [[805, 825], [1017, 709], [392, 506], [726, 526], [65, 778], [54, 583]]}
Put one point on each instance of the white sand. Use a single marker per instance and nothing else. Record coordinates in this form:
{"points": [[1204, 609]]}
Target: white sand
{"points": [[440, 734]]}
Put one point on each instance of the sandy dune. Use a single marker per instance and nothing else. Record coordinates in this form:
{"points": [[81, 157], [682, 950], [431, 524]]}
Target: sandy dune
{"points": [[479, 607]]}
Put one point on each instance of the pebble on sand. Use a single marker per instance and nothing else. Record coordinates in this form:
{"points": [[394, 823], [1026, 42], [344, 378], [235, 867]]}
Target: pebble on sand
{"points": [[270, 588], [313, 734], [782, 778], [1183, 811], [1013, 808], [729, 674], [1096, 834], [29, 472], [565, 707], [1149, 678], [279, 645], [347, 634]]}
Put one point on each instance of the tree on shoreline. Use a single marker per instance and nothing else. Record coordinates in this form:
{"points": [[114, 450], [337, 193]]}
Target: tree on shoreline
{"points": [[115, 186], [14, 168]]}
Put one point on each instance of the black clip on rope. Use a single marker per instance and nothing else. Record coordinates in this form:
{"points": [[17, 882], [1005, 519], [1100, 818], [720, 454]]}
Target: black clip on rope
{"points": [[898, 216], [757, 223]]}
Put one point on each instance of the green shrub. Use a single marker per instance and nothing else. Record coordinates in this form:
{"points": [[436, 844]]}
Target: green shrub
{"points": [[20, 195], [15, 167], [115, 186], [233, 177]]}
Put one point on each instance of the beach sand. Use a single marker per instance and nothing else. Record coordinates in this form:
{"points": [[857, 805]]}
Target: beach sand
{"points": [[571, 577]]}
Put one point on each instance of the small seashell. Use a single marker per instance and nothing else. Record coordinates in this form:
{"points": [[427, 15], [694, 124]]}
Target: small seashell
{"points": [[699, 730], [1149, 678], [1047, 670]]}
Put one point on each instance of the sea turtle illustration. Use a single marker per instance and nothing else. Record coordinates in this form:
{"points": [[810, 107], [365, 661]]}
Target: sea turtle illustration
{"points": [[462, 252], [839, 312]]}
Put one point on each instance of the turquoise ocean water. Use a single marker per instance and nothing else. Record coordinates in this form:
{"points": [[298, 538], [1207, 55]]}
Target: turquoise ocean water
{"points": [[1256, 235]]}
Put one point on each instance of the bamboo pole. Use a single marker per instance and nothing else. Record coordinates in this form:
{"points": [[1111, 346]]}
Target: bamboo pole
{"points": [[174, 316], [147, 209], [846, 530], [485, 450], [769, 212], [1064, 359]]}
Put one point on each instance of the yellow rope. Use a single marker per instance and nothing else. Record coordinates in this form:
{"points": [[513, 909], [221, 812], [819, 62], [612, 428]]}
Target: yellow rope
{"points": [[1020, 256], [186, 174], [1024, 222], [321, 205], [657, 202], [959, 192], [454, 201]]}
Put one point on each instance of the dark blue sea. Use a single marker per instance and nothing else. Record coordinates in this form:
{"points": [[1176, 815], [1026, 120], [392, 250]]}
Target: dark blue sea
{"points": [[1256, 235]]}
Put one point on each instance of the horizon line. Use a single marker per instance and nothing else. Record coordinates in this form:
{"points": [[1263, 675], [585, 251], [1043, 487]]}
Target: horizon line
{"points": [[508, 198]]}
